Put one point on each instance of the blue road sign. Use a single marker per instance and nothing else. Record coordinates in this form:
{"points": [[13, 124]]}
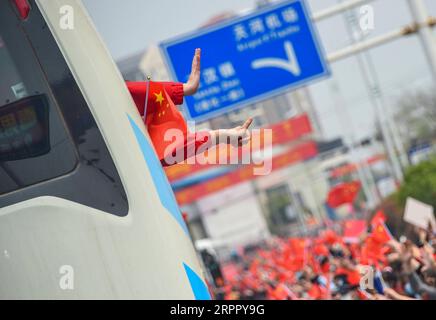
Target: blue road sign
{"points": [[248, 59]]}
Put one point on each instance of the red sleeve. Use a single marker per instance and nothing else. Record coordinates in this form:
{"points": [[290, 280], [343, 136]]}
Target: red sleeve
{"points": [[175, 91], [199, 139], [138, 92]]}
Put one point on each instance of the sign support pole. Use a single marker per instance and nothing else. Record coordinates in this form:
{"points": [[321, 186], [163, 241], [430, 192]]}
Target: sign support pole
{"points": [[421, 16]]}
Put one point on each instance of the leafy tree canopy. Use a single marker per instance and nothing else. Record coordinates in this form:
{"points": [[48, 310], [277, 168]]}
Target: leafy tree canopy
{"points": [[419, 183]]}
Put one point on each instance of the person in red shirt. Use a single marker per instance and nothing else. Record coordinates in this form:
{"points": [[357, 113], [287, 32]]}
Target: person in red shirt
{"points": [[237, 136]]}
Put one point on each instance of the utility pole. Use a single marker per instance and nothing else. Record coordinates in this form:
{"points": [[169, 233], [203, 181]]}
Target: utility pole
{"points": [[350, 141], [422, 18], [374, 92], [396, 137]]}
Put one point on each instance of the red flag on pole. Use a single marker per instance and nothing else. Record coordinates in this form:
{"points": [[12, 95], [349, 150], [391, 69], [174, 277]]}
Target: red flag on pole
{"points": [[381, 233], [377, 218], [162, 115], [343, 193]]}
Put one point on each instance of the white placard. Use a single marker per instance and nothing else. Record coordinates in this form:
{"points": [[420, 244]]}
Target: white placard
{"points": [[419, 214]]}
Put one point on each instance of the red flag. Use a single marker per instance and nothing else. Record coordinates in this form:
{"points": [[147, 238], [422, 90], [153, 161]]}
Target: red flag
{"points": [[161, 116], [281, 292], [353, 229], [330, 237], [377, 218], [381, 233], [295, 254], [371, 252], [343, 193], [353, 277], [316, 292], [321, 250], [297, 246]]}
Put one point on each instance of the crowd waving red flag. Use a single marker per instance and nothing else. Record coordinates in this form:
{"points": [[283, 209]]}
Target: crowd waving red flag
{"points": [[327, 266]]}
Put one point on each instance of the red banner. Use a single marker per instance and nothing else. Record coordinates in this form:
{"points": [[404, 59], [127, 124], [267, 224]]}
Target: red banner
{"points": [[352, 167], [283, 132], [299, 153]]}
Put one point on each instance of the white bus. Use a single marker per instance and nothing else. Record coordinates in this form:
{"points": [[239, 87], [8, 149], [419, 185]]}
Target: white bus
{"points": [[86, 211]]}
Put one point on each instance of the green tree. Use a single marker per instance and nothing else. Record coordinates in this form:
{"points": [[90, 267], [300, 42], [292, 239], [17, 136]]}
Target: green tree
{"points": [[419, 183]]}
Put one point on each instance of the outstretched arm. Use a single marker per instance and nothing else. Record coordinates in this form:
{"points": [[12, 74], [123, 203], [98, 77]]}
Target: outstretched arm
{"points": [[199, 142]]}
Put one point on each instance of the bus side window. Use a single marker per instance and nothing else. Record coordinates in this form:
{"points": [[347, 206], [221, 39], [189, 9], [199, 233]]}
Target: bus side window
{"points": [[50, 144], [34, 144]]}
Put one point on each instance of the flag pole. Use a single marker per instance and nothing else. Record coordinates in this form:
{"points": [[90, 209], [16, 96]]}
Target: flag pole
{"points": [[147, 91]]}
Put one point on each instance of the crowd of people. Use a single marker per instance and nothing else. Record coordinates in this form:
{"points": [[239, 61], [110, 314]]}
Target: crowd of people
{"points": [[353, 261]]}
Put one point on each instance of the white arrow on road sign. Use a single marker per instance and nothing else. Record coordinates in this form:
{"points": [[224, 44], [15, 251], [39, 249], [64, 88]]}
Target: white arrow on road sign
{"points": [[291, 64]]}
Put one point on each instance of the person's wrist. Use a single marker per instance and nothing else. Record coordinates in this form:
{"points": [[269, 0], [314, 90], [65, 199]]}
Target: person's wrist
{"points": [[190, 88], [186, 89]]}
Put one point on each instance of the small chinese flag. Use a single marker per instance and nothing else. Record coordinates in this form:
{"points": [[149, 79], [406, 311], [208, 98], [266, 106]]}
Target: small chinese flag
{"points": [[343, 193], [381, 233], [162, 115], [377, 218], [354, 228], [371, 252]]}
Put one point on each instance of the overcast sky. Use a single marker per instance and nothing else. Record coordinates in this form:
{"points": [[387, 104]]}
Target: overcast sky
{"points": [[129, 26]]}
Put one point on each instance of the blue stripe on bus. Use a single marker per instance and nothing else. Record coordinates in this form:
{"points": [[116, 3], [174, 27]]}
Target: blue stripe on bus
{"points": [[199, 288], [160, 180]]}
